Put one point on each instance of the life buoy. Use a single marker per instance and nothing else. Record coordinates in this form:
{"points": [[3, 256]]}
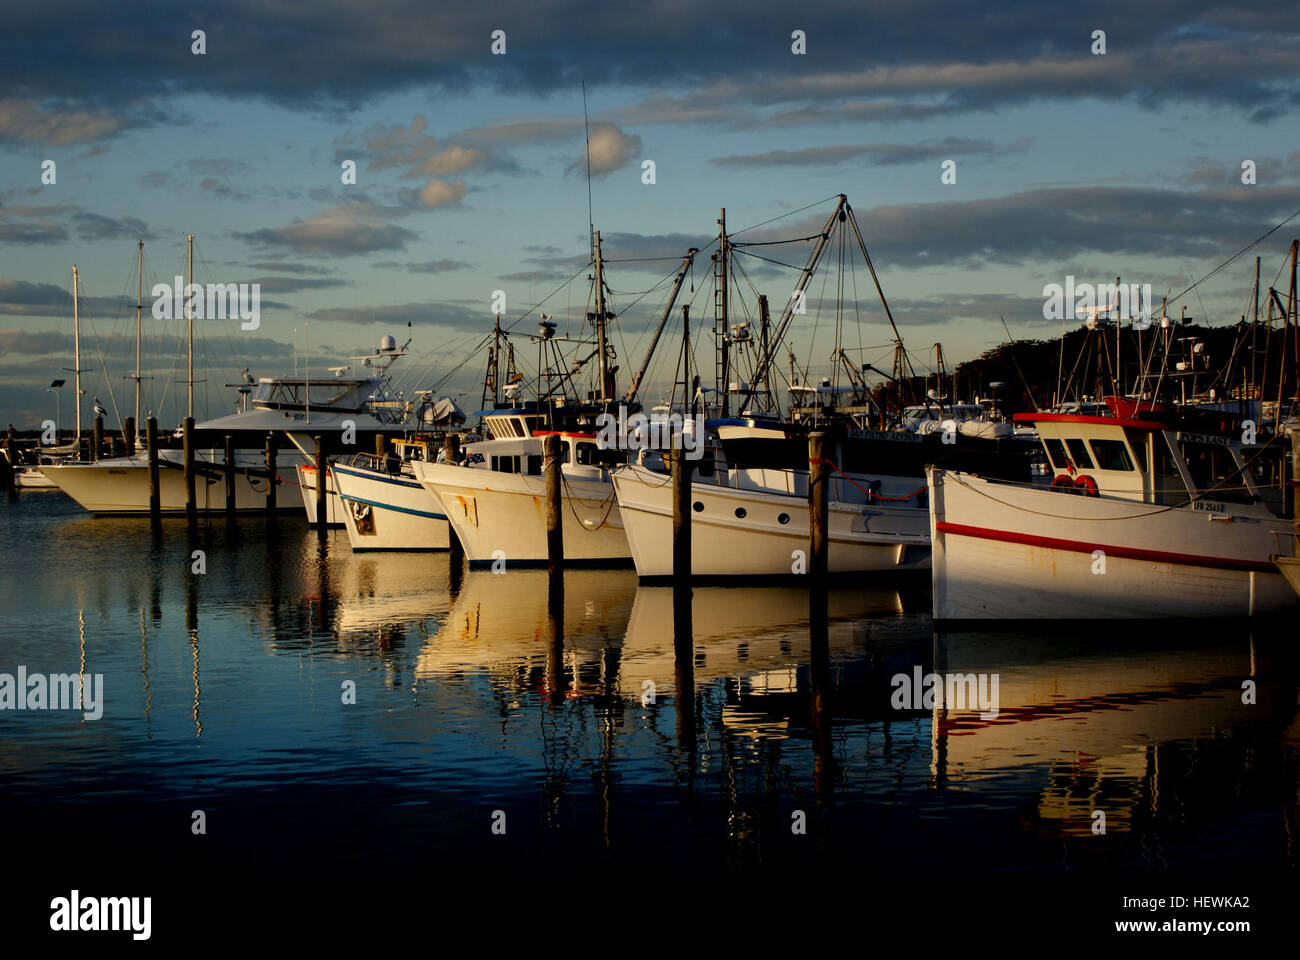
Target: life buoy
{"points": [[1063, 483], [1086, 485]]}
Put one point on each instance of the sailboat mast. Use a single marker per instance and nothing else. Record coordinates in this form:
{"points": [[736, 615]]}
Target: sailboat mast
{"points": [[720, 306], [605, 390], [189, 325], [76, 353], [139, 304]]}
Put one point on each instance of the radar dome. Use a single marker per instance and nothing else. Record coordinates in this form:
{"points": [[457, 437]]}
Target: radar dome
{"points": [[388, 343]]}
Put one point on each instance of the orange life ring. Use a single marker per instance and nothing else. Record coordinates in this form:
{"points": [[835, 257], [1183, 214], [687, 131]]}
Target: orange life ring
{"points": [[1063, 483], [1086, 485]]}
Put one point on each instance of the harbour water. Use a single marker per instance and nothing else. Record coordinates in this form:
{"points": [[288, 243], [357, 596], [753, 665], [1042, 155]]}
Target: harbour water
{"points": [[347, 715]]}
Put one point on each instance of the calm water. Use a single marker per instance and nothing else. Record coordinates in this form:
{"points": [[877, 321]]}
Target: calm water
{"points": [[602, 743]]}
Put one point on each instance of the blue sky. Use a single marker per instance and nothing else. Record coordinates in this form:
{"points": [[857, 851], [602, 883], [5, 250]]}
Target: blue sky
{"points": [[470, 175]]}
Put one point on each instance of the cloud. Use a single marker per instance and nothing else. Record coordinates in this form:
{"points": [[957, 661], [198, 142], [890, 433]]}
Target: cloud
{"points": [[610, 149], [429, 266], [880, 154], [441, 313], [352, 229], [26, 121], [440, 193], [452, 159], [92, 226]]}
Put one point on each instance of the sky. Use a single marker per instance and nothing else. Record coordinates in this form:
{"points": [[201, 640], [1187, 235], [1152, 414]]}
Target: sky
{"points": [[471, 174]]}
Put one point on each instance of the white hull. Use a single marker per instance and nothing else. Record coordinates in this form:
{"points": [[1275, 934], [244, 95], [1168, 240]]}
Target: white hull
{"points": [[307, 485], [121, 485], [1011, 552], [863, 537], [1290, 568], [503, 515], [31, 478], [388, 512]]}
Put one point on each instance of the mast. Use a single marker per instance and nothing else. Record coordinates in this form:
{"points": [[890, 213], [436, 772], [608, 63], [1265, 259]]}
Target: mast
{"points": [[606, 387], [721, 268], [783, 323], [76, 352], [139, 304], [189, 327], [635, 385]]}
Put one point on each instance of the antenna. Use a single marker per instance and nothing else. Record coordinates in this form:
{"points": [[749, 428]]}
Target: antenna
{"points": [[591, 224]]}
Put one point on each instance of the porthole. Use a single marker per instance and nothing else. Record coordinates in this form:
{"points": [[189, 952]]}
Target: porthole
{"points": [[783, 518], [740, 513], [697, 507]]}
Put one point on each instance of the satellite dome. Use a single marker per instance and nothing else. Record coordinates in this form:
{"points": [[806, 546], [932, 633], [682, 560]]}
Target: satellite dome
{"points": [[389, 342]]}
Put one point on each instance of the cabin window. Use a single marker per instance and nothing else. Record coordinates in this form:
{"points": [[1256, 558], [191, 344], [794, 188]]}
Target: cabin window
{"points": [[1137, 440], [1169, 488], [1111, 455], [1079, 453], [534, 463], [586, 454], [1212, 466], [509, 464], [1056, 453]]}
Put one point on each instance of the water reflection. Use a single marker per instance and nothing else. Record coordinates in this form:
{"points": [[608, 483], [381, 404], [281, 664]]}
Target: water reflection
{"points": [[612, 719]]}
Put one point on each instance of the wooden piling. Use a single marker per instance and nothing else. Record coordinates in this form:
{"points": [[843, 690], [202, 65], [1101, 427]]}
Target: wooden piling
{"points": [[97, 444], [128, 437], [554, 525], [682, 469], [230, 477], [381, 446], [455, 549], [191, 504], [818, 506], [322, 497], [155, 498], [272, 481]]}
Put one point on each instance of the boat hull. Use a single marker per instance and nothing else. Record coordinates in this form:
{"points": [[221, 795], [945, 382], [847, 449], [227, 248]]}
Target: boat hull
{"points": [[502, 516], [120, 486], [307, 487], [862, 538], [384, 511], [1011, 552]]}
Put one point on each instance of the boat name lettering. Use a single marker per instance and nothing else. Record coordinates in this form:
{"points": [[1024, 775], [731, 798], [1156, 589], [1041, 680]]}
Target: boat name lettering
{"points": [[1204, 438], [884, 435], [1210, 507]]}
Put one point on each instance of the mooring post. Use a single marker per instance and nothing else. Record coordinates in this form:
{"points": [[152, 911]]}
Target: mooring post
{"points": [[155, 500], [381, 452], [230, 477], [681, 468], [1295, 483], [322, 493], [818, 506], [191, 505], [271, 479], [554, 525], [455, 549], [128, 437], [97, 447]]}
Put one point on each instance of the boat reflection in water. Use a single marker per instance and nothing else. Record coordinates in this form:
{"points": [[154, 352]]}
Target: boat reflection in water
{"points": [[725, 726]]}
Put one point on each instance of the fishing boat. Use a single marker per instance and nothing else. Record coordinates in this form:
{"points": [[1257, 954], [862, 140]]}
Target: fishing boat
{"points": [[496, 499], [384, 506], [1154, 512], [754, 521]]}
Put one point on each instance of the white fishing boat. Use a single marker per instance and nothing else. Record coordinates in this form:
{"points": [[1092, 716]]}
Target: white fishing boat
{"points": [[496, 500], [1153, 513], [749, 522], [299, 408], [383, 505]]}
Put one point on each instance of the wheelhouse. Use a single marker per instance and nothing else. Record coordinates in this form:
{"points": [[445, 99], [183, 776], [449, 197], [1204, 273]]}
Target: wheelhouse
{"points": [[1166, 458]]}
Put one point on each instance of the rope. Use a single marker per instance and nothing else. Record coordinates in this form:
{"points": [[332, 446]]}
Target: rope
{"points": [[870, 494]]}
